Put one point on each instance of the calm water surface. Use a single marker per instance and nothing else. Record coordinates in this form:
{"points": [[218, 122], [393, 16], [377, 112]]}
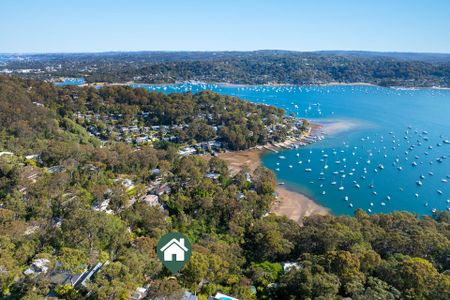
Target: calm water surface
{"points": [[395, 140]]}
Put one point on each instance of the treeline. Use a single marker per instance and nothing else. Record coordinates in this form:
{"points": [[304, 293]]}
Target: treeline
{"points": [[259, 67], [239, 248], [201, 117]]}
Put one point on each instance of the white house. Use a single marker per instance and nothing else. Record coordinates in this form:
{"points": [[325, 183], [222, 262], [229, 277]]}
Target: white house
{"points": [[174, 248]]}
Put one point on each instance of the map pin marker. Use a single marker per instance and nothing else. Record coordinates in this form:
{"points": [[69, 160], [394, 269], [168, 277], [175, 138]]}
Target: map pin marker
{"points": [[174, 250]]}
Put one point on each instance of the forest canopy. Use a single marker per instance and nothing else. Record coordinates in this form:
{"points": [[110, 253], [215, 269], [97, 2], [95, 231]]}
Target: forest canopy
{"points": [[69, 202]]}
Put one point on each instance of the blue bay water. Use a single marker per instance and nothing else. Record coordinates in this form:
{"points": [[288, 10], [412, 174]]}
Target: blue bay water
{"points": [[391, 127], [71, 81]]}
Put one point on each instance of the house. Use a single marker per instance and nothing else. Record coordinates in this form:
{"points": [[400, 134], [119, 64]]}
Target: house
{"points": [[212, 175], [128, 184], [215, 144], [162, 189], [220, 296], [174, 250], [189, 296], [103, 206], [56, 169], [141, 139], [156, 172], [38, 266], [187, 151], [139, 293], [89, 274], [32, 156], [290, 265], [134, 129], [31, 229], [78, 281], [6, 153], [152, 200]]}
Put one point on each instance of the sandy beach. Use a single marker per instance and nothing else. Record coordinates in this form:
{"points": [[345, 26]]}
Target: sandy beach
{"points": [[291, 204], [296, 206]]}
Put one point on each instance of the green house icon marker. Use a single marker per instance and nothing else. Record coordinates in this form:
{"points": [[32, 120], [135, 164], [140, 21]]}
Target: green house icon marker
{"points": [[174, 250]]}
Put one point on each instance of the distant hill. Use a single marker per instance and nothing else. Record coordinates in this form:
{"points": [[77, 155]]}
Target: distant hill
{"points": [[255, 67], [411, 56]]}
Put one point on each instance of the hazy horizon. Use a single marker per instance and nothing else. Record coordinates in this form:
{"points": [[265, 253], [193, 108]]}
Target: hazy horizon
{"points": [[231, 51]]}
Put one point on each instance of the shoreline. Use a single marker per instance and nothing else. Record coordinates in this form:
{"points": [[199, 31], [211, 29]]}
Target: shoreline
{"points": [[227, 84], [292, 204]]}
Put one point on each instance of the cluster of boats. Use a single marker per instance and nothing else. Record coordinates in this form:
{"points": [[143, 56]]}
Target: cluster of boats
{"points": [[363, 168], [346, 167]]}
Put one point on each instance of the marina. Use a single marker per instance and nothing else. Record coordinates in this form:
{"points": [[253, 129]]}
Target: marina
{"points": [[363, 156]]}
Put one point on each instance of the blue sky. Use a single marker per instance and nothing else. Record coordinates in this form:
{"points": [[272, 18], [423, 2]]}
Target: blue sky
{"points": [[113, 25]]}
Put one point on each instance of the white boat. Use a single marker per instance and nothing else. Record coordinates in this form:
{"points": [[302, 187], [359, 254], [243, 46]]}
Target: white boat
{"points": [[308, 170]]}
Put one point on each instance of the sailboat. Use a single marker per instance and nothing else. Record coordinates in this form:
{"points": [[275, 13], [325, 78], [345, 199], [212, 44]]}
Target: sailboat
{"points": [[341, 188]]}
